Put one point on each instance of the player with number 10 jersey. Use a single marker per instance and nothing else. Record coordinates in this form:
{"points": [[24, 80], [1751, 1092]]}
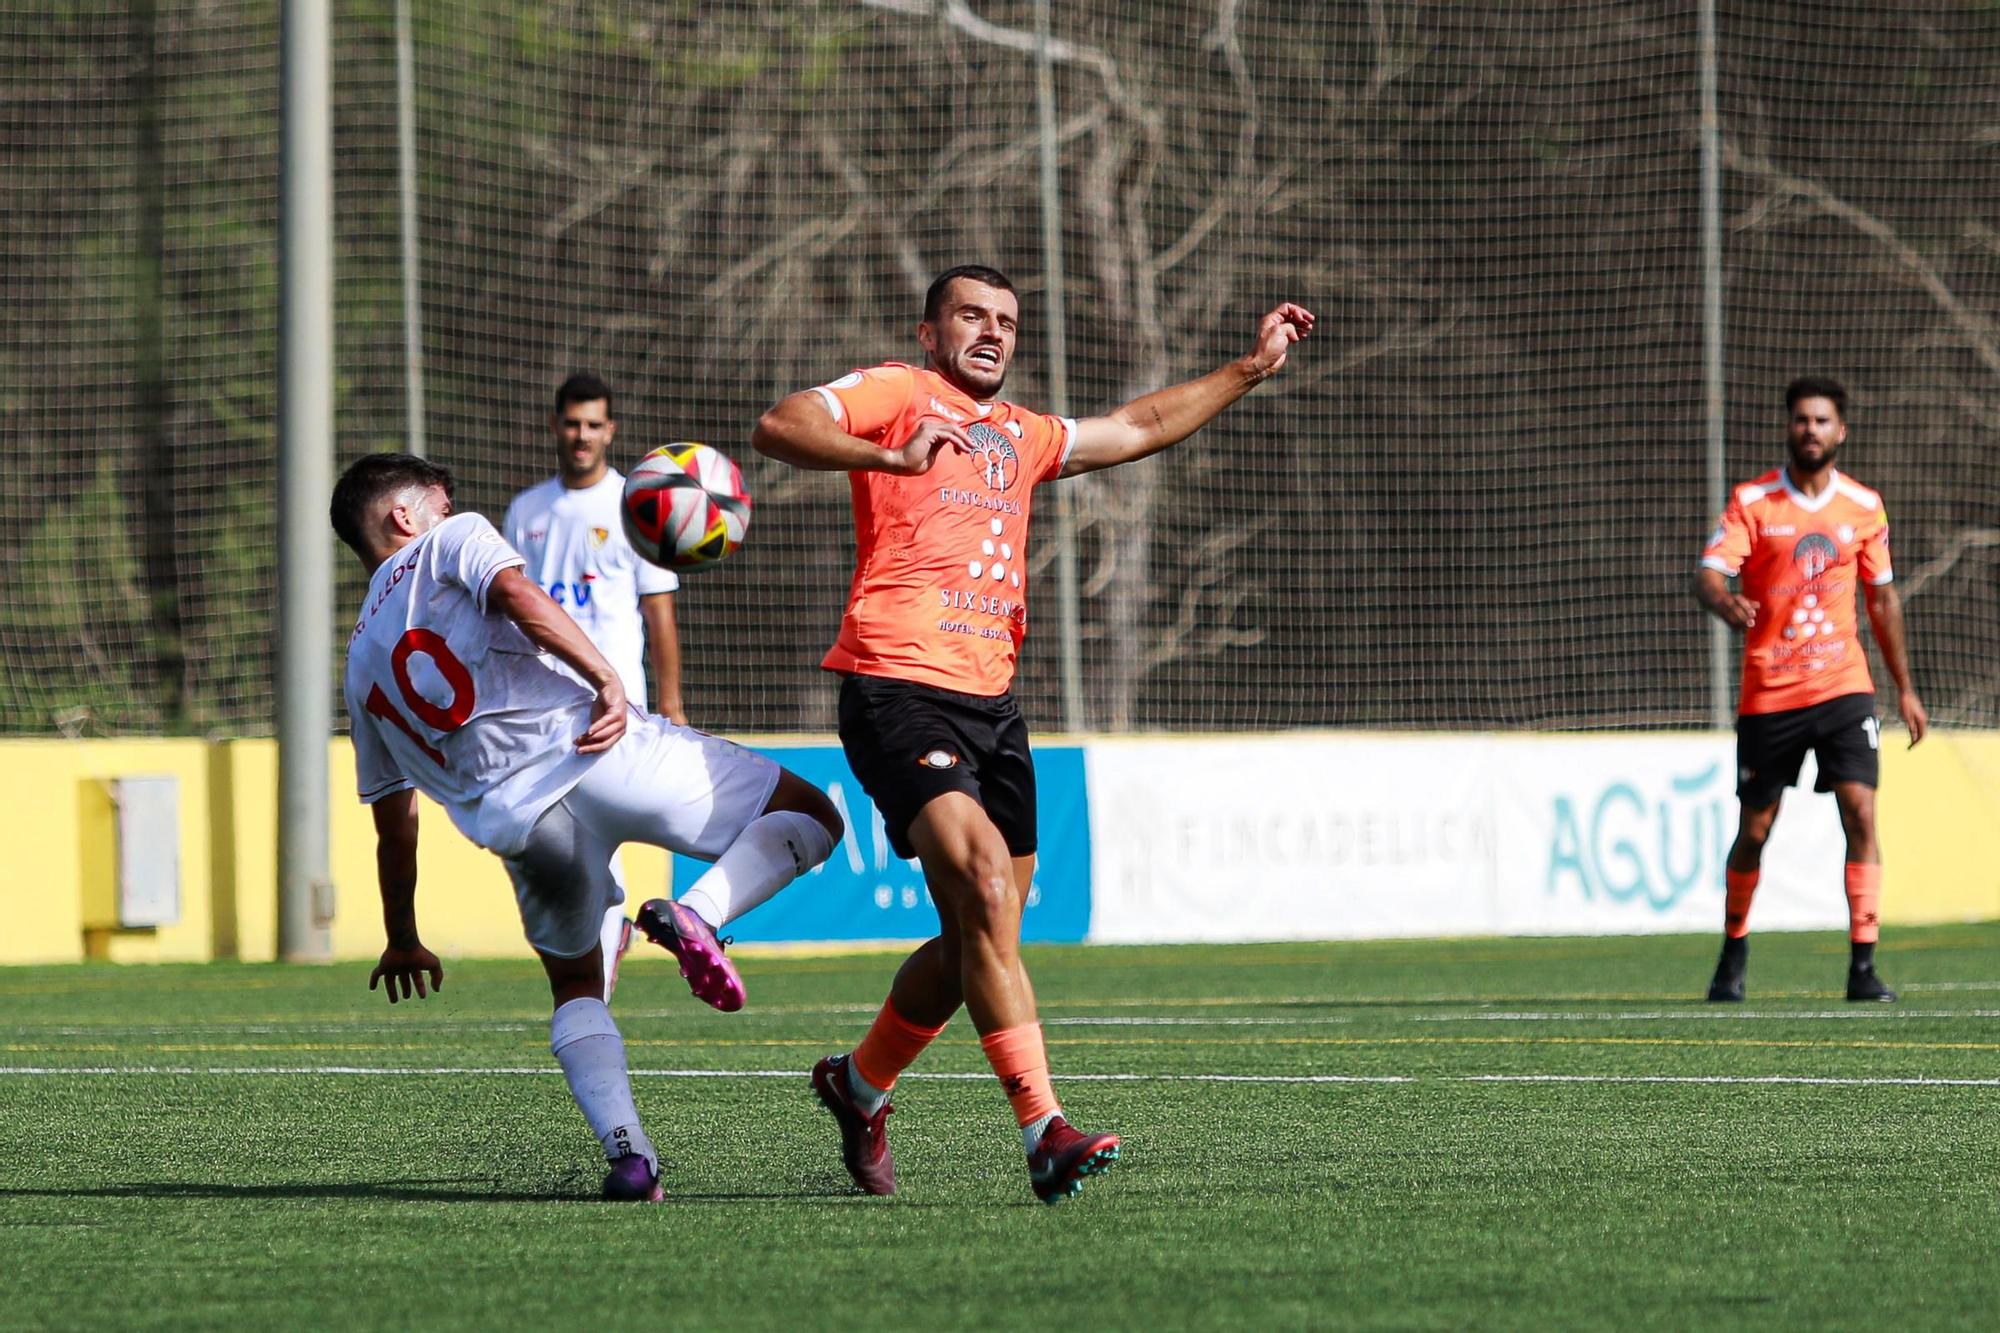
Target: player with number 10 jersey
{"points": [[453, 689], [452, 699]]}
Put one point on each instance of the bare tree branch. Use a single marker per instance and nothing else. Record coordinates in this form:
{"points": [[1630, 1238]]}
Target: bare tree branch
{"points": [[1976, 328], [1962, 544]]}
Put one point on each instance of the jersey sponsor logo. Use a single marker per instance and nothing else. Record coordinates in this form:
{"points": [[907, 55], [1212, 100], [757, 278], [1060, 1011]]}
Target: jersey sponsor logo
{"points": [[537, 534], [1779, 529], [994, 455], [944, 411], [573, 595], [1815, 554]]}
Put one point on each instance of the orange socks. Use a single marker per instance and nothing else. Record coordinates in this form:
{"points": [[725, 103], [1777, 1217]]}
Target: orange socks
{"points": [[1864, 898], [1017, 1056], [1740, 886], [892, 1045]]}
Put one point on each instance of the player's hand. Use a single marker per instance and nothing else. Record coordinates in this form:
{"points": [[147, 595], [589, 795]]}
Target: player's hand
{"points": [[915, 455], [607, 720], [1276, 333], [1914, 716], [1737, 611], [406, 969]]}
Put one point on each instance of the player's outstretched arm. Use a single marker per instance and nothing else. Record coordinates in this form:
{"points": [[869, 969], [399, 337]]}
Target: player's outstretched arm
{"points": [[663, 648], [1167, 416], [1711, 589], [1885, 617], [550, 628], [801, 431], [406, 963]]}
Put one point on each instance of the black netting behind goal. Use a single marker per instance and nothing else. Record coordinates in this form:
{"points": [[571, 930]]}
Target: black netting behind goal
{"points": [[1475, 499]]}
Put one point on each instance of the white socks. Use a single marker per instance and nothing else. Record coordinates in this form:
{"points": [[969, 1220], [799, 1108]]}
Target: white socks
{"points": [[866, 1095], [586, 1043], [772, 851]]}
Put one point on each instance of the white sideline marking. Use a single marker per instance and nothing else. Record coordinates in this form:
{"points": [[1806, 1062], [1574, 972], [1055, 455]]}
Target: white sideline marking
{"points": [[363, 1071], [1760, 1079], [1870, 1013], [1523, 1016]]}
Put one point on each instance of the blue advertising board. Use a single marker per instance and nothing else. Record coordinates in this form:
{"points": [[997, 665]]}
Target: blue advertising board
{"points": [[865, 891]]}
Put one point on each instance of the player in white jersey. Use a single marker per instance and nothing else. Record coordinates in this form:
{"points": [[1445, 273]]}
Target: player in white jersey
{"points": [[568, 530], [453, 690]]}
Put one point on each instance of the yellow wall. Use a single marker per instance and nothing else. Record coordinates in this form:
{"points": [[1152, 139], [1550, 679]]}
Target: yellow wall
{"points": [[57, 898], [1939, 815]]}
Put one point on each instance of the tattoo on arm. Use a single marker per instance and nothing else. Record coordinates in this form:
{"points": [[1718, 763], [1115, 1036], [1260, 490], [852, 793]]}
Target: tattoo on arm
{"points": [[1159, 422]]}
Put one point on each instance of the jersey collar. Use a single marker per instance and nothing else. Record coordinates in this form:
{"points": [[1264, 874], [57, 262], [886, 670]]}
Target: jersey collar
{"points": [[1811, 504]]}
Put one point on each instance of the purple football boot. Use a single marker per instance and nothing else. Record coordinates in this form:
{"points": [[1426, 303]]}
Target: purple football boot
{"points": [[680, 932]]}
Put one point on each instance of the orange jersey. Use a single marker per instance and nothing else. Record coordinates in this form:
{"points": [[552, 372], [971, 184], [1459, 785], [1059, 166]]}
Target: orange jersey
{"points": [[1800, 559], [940, 591]]}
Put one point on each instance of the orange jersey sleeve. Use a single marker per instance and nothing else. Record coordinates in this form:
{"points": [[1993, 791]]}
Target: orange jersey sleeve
{"points": [[1874, 557], [866, 403], [1729, 544]]}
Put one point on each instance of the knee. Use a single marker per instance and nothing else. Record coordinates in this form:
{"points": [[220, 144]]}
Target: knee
{"points": [[1755, 830], [987, 904], [800, 797]]}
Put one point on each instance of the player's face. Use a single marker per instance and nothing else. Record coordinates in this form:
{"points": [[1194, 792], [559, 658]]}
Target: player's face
{"points": [[972, 339], [1816, 434], [583, 433], [424, 507]]}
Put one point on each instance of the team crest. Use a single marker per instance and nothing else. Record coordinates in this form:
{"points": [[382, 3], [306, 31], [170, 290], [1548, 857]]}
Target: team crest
{"points": [[994, 455], [598, 536], [940, 759], [1815, 554]]}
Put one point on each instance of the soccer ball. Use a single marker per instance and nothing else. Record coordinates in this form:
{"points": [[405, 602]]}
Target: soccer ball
{"points": [[685, 506]]}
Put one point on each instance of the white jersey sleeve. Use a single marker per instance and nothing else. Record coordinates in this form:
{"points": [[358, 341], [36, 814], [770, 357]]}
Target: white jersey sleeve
{"points": [[470, 553], [375, 769]]}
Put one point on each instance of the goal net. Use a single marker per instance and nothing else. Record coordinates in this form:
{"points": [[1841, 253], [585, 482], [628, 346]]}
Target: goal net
{"points": [[1475, 499]]}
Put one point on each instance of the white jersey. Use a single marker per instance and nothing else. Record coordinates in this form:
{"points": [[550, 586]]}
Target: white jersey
{"points": [[576, 549], [456, 701]]}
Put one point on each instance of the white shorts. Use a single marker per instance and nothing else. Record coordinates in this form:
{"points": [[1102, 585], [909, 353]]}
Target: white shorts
{"points": [[670, 786]]}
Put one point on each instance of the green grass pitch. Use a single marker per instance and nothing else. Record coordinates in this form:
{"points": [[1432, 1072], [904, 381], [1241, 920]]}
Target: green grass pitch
{"points": [[1541, 1134]]}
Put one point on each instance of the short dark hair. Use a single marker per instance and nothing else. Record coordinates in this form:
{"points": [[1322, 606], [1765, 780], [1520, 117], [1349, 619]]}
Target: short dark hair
{"points": [[370, 478], [583, 389], [934, 298], [1811, 386]]}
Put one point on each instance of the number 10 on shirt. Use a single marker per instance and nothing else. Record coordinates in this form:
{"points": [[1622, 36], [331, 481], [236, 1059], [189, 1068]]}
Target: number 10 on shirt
{"points": [[446, 719]]}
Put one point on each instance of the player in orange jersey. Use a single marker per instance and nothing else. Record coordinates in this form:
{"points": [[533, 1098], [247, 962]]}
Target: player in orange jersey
{"points": [[942, 471], [1799, 539]]}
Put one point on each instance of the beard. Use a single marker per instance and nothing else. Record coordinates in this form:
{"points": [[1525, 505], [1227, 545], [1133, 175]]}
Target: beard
{"points": [[1809, 465], [975, 379]]}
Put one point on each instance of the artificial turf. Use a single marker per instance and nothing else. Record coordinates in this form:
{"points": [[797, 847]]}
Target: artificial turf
{"points": [[1541, 1133]]}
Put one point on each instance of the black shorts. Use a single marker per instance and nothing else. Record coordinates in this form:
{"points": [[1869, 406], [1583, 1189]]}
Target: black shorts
{"points": [[910, 744], [1770, 747]]}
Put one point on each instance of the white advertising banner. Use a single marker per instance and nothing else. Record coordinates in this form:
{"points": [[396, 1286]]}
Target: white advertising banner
{"points": [[1277, 838], [1625, 835], [1332, 837]]}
